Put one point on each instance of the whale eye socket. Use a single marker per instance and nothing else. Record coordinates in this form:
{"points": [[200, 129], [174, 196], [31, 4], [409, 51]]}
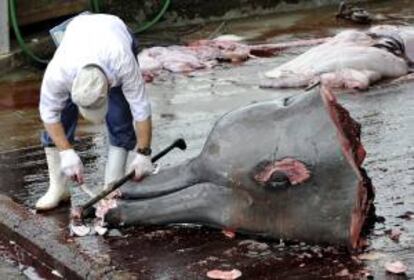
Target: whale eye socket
{"points": [[392, 43], [280, 173], [392, 46], [278, 180]]}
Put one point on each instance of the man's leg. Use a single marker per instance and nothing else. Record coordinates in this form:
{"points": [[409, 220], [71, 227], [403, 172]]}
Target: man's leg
{"points": [[121, 134], [58, 190]]}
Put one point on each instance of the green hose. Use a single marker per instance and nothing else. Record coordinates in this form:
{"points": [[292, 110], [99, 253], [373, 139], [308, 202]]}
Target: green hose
{"points": [[19, 37], [150, 23], [95, 6]]}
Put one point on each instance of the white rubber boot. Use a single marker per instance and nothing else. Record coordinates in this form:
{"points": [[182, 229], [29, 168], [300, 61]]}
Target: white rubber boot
{"points": [[115, 165], [58, 189]]}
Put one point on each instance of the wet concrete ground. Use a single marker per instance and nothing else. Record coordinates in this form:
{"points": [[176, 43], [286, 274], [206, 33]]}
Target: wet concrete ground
{"points": [[17, 264], [187, 106], [9, 266]]}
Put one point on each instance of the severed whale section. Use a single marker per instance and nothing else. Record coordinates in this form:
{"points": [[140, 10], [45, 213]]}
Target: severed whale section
{"points": [[289, 169]]}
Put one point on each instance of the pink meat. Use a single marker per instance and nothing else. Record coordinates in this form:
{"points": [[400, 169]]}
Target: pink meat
{"points": [[396, 267], [230, 233], [227, 50], [104, 206], [206, 54], [394, 234], [349, 78], [348, 130], [224, 275]]}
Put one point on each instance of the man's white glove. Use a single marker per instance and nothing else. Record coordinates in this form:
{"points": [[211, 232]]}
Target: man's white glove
{"points": [[142, 165], [71, 165]]}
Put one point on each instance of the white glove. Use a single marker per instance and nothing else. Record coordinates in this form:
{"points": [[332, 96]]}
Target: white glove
{"points": [[71, 165], [142, 165]]}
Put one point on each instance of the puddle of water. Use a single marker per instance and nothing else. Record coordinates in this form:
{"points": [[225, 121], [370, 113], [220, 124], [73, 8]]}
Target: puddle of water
{"points": [[23, 172], [19, 89], [19, 95]]}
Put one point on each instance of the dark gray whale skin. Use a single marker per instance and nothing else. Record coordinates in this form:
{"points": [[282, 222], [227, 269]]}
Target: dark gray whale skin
{"points": [[219, 188]]}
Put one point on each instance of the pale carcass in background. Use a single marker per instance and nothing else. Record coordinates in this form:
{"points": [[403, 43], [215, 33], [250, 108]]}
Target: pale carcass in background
{"points": [[351, 59]]}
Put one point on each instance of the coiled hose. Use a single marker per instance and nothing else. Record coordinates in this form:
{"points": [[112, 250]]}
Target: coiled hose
{"points": [[95, 7]]}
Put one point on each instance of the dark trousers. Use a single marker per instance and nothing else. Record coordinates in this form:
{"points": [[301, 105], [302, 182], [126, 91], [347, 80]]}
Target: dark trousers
{"points": [[119, 122]]}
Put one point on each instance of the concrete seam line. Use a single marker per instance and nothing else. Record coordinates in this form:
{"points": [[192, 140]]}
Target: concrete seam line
{"points": [[24, 228]]}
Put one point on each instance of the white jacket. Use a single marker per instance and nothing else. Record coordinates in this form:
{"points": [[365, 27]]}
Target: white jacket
{"points": [[93, 39]]}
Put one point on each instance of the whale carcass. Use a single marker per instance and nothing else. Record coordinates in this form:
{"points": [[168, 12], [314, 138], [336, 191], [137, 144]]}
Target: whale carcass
{"points": [[288, 169], [352, 59]]}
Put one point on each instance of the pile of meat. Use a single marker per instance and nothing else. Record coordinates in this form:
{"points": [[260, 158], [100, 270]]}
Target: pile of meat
{"points": [[199, 55], [205, 54]]}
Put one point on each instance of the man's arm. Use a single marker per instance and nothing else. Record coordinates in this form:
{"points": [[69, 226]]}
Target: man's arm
{"points": [[142, 163], [56, 132], [143, 130]]}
